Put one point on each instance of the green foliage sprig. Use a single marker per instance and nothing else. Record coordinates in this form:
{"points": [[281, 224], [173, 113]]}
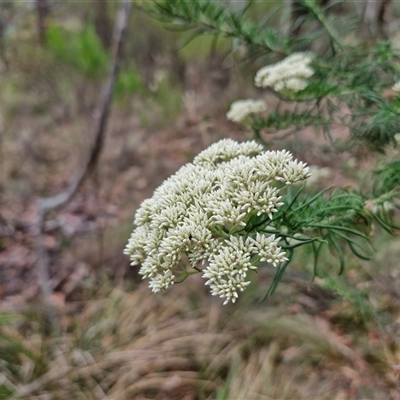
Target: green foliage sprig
{"points": [[210, 17], [352, 76], [83, 50], [341, 83]]}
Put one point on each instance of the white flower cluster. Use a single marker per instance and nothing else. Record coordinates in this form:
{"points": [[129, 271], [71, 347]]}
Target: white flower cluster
{"points": [[290, 73], [374, 207], [396, 87], [318, 174], [197, 218], [241, 109]]}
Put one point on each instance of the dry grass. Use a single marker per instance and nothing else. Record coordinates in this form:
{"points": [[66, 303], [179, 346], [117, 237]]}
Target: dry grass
{"points": [[126, 346], [184, 345]]}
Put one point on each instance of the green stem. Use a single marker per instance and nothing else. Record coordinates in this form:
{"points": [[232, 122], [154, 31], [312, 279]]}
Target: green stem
{"points": [[325, 23]]}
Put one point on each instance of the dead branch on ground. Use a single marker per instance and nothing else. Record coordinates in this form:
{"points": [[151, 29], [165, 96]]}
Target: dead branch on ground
{"points": [[45, 205]]}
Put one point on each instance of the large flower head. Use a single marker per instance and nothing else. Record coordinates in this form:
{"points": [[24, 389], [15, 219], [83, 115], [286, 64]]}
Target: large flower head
{"points": [[197, 219]]}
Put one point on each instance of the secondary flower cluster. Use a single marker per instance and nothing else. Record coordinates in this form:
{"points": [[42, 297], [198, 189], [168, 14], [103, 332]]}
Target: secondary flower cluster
{"points": [[241, 109], [290, 73], [396, 87], [196, 220]]}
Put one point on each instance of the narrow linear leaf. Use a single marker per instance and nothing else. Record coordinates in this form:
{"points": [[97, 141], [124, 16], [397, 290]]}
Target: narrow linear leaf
{"points": [[336, 245], [277, 277]]}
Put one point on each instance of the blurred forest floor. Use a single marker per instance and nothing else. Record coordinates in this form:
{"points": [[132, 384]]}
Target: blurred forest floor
{"points": [[336, 338]]}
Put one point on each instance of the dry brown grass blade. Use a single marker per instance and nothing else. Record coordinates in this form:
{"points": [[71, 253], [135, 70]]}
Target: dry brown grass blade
{"points": [[164, 382], [53, 375], [318, 338]]}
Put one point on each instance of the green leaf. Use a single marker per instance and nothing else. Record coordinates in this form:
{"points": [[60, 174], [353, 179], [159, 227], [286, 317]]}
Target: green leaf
{"points": [[278, 276], [338, 248]]}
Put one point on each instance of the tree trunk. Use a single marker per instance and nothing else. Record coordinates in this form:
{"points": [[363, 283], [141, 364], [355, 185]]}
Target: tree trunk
{"points": [[102, 22], [42, 9], [382, 18]]}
